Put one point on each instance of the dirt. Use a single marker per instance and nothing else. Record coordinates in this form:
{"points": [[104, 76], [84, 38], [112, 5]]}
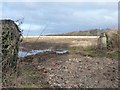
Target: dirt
{"points": [[66, 71]]}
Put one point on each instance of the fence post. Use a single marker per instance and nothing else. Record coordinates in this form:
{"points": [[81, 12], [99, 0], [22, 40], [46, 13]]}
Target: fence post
{"points": [[103, 41]]}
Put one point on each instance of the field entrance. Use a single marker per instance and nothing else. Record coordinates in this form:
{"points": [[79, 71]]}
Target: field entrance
{"points": [[76, 68]]}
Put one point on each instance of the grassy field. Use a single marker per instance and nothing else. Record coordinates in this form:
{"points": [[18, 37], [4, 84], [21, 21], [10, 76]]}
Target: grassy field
{"points": [[83, 44], [60, 41]]}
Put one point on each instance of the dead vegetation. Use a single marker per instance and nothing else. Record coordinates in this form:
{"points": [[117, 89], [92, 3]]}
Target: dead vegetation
{"points": [[83, 67]]}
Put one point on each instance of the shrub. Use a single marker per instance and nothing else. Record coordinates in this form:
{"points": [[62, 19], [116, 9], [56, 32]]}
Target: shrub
{"points": [[114, 41]]}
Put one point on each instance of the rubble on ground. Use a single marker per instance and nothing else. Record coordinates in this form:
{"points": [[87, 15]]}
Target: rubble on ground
{"points": [[80, 72]]}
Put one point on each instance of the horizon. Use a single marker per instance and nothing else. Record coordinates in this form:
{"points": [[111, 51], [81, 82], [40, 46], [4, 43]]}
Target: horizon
{"points": [[68, 32], [57, 17]]}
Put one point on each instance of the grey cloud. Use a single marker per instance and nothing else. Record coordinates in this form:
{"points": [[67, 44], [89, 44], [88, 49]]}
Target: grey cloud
{"points": [[63, 17]]}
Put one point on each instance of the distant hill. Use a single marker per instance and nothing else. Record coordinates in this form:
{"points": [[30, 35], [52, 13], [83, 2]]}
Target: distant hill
{"points": [[94, 32]]}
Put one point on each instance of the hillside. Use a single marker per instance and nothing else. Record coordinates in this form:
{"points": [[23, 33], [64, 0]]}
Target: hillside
{"points": [[94, 32]]}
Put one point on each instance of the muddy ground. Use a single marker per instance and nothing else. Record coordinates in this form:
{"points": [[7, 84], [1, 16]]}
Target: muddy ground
{"points": [[73, 70]]}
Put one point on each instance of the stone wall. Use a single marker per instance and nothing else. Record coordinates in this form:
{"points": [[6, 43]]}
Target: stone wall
{"points": [[103, 41], [10, 39], [108, 41]]}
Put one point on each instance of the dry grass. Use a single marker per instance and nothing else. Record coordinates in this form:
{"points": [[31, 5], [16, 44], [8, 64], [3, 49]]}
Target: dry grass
{"points": [[54, 41], [86, 44]]}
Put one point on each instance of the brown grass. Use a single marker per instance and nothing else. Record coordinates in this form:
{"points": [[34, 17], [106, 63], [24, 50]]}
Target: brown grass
{"points": [[59, 41]]}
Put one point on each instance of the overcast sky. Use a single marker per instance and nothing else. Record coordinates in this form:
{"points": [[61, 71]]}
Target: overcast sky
{"points": [[61, 17]]}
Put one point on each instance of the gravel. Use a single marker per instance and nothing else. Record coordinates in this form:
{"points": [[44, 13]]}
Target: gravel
{"points": [[84, 72]]}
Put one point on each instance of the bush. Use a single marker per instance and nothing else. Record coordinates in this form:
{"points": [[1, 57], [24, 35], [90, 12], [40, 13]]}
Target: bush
{"points": [[115, 41]]}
